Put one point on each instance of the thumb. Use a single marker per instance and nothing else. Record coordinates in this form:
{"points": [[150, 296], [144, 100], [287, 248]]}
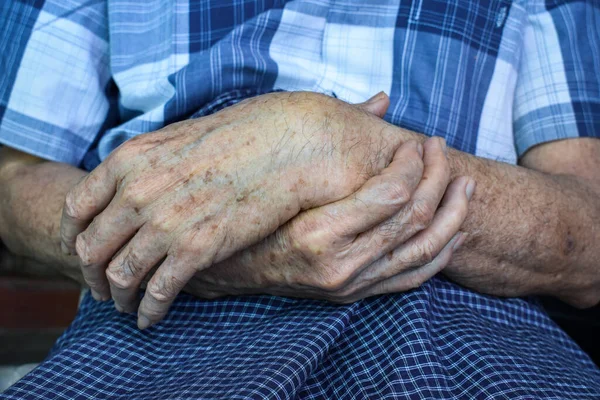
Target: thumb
{"points": [[376, 105]]}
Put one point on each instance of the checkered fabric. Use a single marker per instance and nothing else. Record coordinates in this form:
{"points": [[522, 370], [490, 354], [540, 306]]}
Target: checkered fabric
{"points": [[438, 342], [493, 77]]}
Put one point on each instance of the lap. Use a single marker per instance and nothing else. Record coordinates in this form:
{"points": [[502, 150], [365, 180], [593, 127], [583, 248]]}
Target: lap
{"points": [[439, 341]]}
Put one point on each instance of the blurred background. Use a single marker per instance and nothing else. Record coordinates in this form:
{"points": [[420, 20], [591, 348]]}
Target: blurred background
{"points": [[33, 314]]}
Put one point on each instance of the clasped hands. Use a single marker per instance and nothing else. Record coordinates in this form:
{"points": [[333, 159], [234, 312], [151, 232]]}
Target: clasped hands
{"points": [[293, 194]]}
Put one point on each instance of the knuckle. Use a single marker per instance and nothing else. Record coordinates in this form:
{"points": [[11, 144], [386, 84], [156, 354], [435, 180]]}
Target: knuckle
{"points": [[334, 281], [133, 264], [391, 228], [132, 196], [417, 255], [158, 294], [422, 213], [83, 250], [165, 289], [280, 245], [395, 192], [192, 240], [162, 224], [117, 279], [124, 274], [426, 252], [71, 208], [312, 241]]}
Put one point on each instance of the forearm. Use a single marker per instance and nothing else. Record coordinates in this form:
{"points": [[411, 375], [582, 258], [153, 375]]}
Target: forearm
{"points": [[32, 194], [529, 232]]}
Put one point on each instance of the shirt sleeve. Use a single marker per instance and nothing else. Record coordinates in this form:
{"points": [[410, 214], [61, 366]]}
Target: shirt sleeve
{"points": [[55, 77], [558, 87]]}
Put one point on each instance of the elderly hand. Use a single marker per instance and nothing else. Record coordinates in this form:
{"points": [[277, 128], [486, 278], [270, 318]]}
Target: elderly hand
{"points": [[343, 252], [194, 193]]}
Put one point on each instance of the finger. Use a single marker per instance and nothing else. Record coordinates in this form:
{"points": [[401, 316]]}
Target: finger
{"points": [[411, 219], [414, 278], [382, 196], [424, 247], [107, 233], [405, 279], [432, 187], [93, 275], [376, 105], [170, 278], [83, 202], [128, 269]]}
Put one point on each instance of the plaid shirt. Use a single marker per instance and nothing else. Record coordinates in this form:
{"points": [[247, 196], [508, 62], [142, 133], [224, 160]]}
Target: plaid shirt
{"points": [[494, 77]]}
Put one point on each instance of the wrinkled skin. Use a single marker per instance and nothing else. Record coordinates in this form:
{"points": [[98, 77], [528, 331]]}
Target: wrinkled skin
{"points": [[196, 192], [336, 252]]}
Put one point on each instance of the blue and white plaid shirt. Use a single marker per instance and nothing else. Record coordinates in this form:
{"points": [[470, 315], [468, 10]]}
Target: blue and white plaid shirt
{"points": [[494, 77]]}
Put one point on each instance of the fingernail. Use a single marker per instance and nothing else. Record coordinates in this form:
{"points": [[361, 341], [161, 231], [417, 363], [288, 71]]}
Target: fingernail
{"points": [[420, 149], [459, 240], [143, 322], [375, 98], [119, 308], [96, 295], [444, 145], [470, 189]]}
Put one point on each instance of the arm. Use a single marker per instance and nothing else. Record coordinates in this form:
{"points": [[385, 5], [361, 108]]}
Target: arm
{"points": [[534, 228], [56, 115], [531, 229], [32, 193]]}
